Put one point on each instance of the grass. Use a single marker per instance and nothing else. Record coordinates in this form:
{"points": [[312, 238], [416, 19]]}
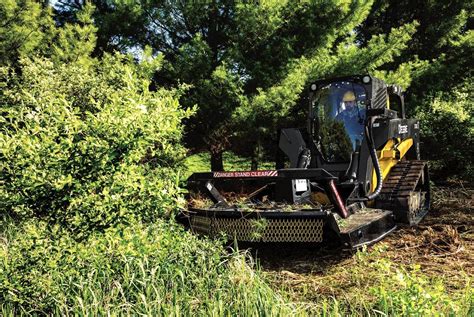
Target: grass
{"points": [[153, 269], [423, 271], [375, 285], [158, 269]]}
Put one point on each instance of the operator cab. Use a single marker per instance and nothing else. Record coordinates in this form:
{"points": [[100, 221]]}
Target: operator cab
{"points": [[340, 111]]}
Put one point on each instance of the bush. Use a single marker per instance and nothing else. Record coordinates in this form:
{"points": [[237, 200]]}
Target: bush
{"points": [[88, 146], [447, 131], [89, 167]]}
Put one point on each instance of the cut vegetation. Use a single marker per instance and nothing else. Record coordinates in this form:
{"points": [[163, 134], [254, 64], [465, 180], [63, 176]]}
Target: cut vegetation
{"points": [[427, 270]]}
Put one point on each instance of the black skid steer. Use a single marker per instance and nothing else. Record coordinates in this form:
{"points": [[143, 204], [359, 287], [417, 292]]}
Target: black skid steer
{"points": [[351, 176]]}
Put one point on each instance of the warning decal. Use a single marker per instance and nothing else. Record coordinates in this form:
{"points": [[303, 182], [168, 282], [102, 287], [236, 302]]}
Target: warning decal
{"points": [[246, 174]]}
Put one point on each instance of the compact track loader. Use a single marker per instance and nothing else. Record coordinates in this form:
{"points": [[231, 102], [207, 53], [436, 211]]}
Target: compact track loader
{"points": [[352, 175]]}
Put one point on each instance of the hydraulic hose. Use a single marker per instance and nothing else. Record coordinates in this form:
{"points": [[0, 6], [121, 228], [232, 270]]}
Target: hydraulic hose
{"points": [[304, 159], [375, 162]]}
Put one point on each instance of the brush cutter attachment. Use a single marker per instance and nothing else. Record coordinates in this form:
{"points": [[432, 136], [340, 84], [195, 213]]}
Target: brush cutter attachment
{"points": [[252, 206]]}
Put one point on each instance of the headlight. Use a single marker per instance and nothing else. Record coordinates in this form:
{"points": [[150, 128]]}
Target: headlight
{"points": [[366, 79], [314, 87]]}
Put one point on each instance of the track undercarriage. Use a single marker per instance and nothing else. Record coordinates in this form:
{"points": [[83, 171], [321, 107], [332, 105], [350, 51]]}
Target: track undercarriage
{"points": [[406, 192]]}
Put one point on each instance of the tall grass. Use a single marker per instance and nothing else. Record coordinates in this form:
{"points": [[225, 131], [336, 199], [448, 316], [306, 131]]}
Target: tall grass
{"points": [[156, 269]]}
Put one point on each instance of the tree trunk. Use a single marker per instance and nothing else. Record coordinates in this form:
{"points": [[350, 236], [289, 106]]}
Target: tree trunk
{"points": [[254, 165], [217, 163], [256, 155]]}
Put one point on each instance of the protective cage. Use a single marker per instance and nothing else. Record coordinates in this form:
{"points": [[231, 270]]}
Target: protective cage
{"points": [[277, 226]]}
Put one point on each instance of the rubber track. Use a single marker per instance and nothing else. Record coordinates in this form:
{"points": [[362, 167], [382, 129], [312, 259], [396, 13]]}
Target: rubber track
{"points": [[397, 187]]}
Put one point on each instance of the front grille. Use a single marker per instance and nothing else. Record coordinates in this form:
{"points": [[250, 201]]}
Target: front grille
{"points": [[261, 230]]}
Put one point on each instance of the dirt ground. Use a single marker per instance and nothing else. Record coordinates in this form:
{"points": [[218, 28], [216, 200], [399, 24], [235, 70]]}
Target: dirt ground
{"points": [[442, 245]]}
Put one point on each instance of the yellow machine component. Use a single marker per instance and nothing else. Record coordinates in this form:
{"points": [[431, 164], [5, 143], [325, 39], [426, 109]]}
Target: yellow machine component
{"points": [[389, 156]]}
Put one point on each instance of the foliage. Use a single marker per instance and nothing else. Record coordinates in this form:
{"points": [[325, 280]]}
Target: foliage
{"points": [[248, 64], [155, 269], [26, 28], [444, 38], [91, 151], [448, 132], [75, 42], [441, 51], [271, 108], [158, 269], [88, 146], [89, 164]]}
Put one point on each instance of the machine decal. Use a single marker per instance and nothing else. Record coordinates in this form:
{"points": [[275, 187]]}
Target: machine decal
{"points": [[246, 174], [402, 129], [301, 185]]}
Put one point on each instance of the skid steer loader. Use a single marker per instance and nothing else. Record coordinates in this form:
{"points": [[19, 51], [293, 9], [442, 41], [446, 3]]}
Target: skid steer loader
{"points": [[352, 175]]}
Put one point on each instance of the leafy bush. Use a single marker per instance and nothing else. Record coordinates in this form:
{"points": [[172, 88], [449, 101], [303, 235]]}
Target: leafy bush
{"points": [[88, 145], [447, 127], [154, 269]]}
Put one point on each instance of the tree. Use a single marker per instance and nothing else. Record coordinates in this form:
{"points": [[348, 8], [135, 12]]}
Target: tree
{"points": [[247, 64], [448, 132], [444, 37], [25, 28], [444, 40], [270, 108], [228, 51]]}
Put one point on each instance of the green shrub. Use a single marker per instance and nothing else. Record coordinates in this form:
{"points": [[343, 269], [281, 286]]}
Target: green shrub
{"points": [[447, 131], [89, 167], [88, 146]]}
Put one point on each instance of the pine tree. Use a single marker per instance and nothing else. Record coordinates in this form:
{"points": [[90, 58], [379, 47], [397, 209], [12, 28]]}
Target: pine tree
{"points": [[246, 65], [444, 37], [25, 28]]}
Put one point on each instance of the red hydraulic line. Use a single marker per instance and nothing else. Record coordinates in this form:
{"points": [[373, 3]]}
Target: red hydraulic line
{"points": [[339, 204]]}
